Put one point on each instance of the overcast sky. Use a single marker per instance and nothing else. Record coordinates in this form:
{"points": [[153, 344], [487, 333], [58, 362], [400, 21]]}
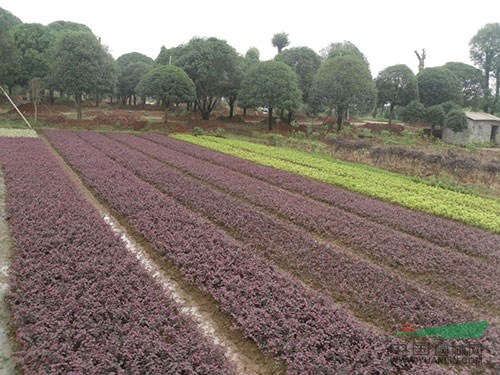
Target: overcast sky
{"points": [[386, 31]]}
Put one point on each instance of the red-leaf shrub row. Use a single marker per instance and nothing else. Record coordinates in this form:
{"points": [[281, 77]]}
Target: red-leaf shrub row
{"points": [[80, 302], [301, 327], [372, 291], [441, 231], [447, 268]]}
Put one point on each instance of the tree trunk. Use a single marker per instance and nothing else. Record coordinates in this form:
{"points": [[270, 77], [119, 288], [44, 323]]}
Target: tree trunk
{"points": [[245, 111], [282, 115], [166, 113], [36, 111], [340, 117], [51, 96], [78, 98], [487, 89], [135, 100], [391, 110], [231, 107], [289, 117], [270, 119]]}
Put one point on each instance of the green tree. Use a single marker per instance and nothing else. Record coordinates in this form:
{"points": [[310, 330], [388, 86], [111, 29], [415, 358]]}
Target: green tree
{"points": [[8, 59], [79, 59], [396, 85], [253, 54], [305, 62], [33, 42], [129, 78], [169, 56], [61, 27], [107, 77], [133, 57], [273, 84], [212, 64], [342, 83], [234, 84], [472, 83], [435, 116], [438, 85], [280, 41], [345, 48], [485, 53], [8, 20], [413, 112], [456, 120], [167, 83]]}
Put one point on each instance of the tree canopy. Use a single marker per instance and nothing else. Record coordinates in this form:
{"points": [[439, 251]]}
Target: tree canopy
{"points": [[133, 57], [33, 42], [485, 53], [253, 53], [167, 83], [80, 59], [345, 48], [212, 65], [472, 83], [60, 27], [129, 77], [343, 82], [305, 62], [438, 85], [8, 59], [273, 84], [280, 41], [396, 85], [8, 20]]}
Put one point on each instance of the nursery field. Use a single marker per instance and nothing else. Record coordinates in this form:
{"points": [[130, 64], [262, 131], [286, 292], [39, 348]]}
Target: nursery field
{"points": [[319, 265]]}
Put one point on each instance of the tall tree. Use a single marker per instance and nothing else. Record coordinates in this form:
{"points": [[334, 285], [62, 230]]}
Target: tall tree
{"points": [[396, 85], [485, 53], [78, 64], [210, 63], [273, 84], [168, 84], [129, 78], [438, 85], [305, 62], [280, 41], [343, 82], [33, 41], [107, 77], [472, 83], [61, 27]]}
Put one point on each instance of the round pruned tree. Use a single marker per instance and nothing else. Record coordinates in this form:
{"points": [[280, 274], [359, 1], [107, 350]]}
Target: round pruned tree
{"points": [[168, 84], [396, 86], [343, 82], [438, 85], [345, 48], [129, 78], [305, 62], [79, 63], [472, 83], [273, 84], [253, 54], [280, 41], [212, 64]]}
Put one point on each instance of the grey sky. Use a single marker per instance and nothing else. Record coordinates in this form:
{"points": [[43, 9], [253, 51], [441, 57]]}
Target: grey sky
{"points": [[386, 31]]}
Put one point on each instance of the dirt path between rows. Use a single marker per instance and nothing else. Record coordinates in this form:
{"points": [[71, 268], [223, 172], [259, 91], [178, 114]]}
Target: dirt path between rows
{"points": [[202, 308], [6, 363]]}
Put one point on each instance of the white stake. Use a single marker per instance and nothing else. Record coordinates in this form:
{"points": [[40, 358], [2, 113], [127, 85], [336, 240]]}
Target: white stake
{"points": [[17, 109]]}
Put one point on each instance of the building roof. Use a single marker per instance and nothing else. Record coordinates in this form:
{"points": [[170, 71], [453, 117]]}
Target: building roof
{"points": [[480, 116]]}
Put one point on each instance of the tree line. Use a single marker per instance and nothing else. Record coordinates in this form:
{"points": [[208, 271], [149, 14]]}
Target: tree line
{"points": [[66, 57]]}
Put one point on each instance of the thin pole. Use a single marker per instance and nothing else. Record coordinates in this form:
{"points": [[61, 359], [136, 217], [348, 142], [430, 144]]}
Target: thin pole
{"points": [[17, 109]]}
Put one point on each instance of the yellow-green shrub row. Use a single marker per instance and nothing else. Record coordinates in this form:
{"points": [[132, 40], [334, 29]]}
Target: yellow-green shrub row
{"points": [[391, 187], [16, 133]]}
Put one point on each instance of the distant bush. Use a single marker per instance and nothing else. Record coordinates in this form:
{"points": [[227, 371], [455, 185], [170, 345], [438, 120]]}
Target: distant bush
{"points": [[435, 116], [198, 131], [220, 132], [413, 112], [456, 120]]}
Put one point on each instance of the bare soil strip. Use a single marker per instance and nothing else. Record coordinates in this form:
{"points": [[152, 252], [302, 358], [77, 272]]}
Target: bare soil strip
{"points": [[215, 325], [6, 362]]}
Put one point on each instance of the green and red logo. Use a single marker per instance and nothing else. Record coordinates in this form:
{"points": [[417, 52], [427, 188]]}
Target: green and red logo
{"points": [[471, 330]]}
